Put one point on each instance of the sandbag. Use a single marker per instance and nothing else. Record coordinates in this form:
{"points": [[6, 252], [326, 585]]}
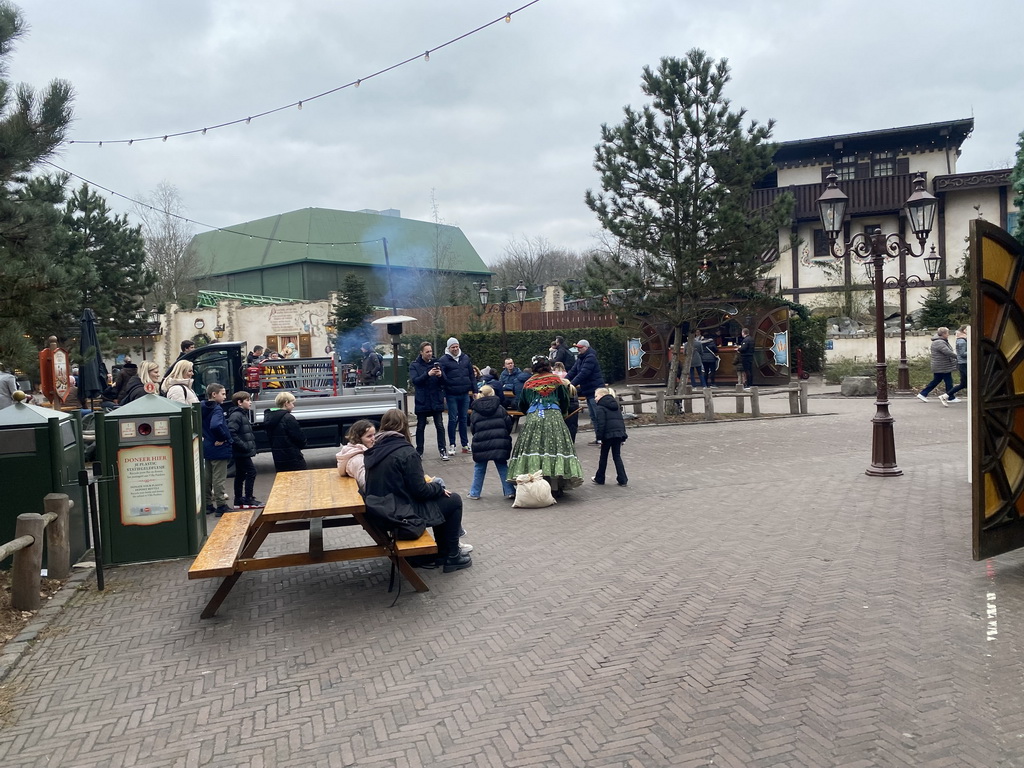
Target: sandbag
{"points": [[533, 492]]}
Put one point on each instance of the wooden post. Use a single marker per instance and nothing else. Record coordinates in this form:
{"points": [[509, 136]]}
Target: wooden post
{"points": [[739, 397], [687, 404], [58, 545], [755, 403], [659, 408], [28, 563], [709, 405], [803, 398], [637, 406], [794, 405]]}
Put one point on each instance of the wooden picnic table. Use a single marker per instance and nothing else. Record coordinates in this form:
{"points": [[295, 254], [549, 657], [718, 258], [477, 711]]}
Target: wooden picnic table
{"points": [[306, 500]]}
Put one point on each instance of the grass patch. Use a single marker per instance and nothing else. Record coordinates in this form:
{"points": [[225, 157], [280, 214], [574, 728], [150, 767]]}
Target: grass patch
{"points": [[920, 370]]}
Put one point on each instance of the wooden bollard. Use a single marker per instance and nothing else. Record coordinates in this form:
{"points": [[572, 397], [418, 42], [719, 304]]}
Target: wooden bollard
{"points": [[739, 397], [637, 406], [58, 545], [794, 404], [28, 563], [803, 398], [709, 405], [659, 408], [687, 404], [755, 403]]}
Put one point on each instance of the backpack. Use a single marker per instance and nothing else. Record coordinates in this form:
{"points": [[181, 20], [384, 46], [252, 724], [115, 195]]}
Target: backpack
{"points": [[401, 522]]}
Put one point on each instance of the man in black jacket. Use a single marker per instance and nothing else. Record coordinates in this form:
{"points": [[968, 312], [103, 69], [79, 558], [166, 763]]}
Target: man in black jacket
{"points": [[561, 352], [425, 375], [459, 387], [746, 353]]}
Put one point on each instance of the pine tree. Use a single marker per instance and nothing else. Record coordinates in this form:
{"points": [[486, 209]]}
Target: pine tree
{"points": [[676, 179], [108, 258], [32, 126], [1017, 182], [937, 309], [352, 312]]}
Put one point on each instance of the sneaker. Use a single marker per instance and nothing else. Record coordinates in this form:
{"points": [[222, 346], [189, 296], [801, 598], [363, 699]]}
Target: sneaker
{"points": [[457, 562], [221, 510], [424, 561], [210, 509], [465, 449], [462, 532], [444, 455], [474, 498], [621, 485], [594, 442], [922, 398], [510, 496], [253, 503], [595, 481], [239, 503], [464, 548], [451, 450], [954, 400], [943, 398]]}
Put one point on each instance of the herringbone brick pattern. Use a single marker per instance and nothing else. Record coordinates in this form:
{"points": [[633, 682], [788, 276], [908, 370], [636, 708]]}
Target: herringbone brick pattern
{"points": [[752, 599]]}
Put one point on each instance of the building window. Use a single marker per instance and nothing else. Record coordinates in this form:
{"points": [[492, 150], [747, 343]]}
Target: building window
{"points": [[821, 249], [883, 163], [846, 167]]}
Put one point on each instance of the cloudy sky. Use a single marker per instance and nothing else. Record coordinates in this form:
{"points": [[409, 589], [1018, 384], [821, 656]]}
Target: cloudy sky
{"points": [[499, 127]]}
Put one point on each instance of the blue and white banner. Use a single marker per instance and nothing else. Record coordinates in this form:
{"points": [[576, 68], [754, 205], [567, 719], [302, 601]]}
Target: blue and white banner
{"points": [[634, 352], [780, 348]]}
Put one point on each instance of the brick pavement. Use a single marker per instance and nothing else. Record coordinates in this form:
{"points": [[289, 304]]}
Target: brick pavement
{"points": [[752, 599]]}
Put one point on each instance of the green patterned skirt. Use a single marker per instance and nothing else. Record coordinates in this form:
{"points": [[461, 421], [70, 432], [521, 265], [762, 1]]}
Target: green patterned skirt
{"points": [[544, 444]]}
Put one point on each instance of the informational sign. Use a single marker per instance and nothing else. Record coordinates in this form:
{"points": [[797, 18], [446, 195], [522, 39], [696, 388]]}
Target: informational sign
{"points": [[635, 353], [780, 348], [146, 473], [61, 374]]}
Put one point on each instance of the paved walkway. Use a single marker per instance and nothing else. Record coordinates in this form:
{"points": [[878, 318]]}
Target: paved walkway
{"points": [[751, 599]]}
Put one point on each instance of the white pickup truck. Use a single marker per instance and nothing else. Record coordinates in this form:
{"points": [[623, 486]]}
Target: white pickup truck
{"points": [[327, 400]]}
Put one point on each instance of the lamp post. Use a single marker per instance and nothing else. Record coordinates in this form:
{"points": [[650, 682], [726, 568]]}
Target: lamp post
{"points": [[502, 306], [903, 282], [875, 248]]}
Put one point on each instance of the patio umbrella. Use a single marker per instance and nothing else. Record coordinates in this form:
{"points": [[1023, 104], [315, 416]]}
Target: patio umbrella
{"points": [[92, 373]]}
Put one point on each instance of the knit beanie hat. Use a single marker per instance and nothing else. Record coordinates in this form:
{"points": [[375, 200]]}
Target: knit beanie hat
{"points": [[451, 341]]}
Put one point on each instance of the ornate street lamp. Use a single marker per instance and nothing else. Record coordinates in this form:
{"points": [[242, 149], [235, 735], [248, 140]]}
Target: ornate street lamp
{"points": [[875, 248], [502, 306], [218, 331], [903, 282]]}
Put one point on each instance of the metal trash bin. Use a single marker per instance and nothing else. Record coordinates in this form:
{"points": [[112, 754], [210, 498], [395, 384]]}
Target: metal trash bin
{"points": [[41, 453], [151, 505]]}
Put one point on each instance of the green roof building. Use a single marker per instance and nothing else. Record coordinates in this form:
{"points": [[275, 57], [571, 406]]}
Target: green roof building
{"points": [[305, 254]]}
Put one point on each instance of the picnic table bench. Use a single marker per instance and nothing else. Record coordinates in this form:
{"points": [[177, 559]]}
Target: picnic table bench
{"points": [[307, 500]]}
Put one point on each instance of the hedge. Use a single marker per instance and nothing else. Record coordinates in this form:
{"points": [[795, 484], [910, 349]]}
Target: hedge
{"points": [[484, 348]]}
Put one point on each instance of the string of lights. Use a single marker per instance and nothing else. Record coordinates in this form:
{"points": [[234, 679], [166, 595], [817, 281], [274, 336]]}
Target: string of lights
{"points": [[425, 56], [226, 230]]}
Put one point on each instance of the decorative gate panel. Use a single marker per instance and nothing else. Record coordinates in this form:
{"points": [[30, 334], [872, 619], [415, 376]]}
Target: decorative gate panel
{"points": [[997, 390]]}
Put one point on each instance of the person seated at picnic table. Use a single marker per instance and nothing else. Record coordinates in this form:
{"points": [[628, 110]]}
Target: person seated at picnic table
{"points": [[286, 437], [350, 458], [508, 381], [544, 443], [394, 468]]}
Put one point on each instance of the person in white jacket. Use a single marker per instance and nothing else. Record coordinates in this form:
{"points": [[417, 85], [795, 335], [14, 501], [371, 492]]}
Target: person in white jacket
{"points": [[350, 457]]}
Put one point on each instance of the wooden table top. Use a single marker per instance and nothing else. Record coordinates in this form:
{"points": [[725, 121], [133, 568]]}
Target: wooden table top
{"points": [[312, 493]]}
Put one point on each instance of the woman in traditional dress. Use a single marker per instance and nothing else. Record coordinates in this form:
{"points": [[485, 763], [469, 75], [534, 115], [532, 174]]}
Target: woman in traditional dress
{"points": [[544, 443]]}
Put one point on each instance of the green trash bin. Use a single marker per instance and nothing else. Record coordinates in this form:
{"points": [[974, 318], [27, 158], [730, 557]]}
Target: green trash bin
{"points": [[41, 453], [151, 505]]}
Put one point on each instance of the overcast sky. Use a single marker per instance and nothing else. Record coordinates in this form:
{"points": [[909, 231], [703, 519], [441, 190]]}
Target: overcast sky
{"points": [[501, 126]]}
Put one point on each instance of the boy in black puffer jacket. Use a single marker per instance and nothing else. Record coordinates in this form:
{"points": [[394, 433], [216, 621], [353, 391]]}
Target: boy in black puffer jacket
{"points": [[492, 441], [243, 445], [611, 431]]}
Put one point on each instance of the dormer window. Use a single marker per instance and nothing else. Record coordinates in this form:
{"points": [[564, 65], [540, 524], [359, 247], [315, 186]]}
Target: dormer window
{"points": [[846, 167], [883, 163]]}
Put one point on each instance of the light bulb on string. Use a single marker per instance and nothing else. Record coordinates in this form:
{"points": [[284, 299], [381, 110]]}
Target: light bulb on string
{"points": [[358, 82], [130, 142], [101, 144], [165, 138], [508, 18], [248, 120], [204, 131], [300, 106], [426, 55]]}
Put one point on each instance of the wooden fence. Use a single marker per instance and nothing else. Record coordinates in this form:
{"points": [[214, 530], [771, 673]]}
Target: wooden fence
{"points": [[27, 548], [459, 319], [797, 399]]}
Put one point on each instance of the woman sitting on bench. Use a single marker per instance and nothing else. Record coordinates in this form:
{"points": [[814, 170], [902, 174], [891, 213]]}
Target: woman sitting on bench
{"points": [[393, 467]]}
